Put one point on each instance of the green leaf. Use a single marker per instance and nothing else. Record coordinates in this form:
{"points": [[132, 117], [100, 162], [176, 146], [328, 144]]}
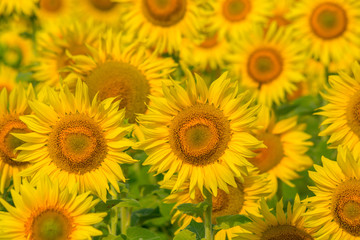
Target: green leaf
{"points": [[137, 233], [185, 235], [229, 221], [127, 202], [197, 228], [103, 207], [195, 210], [112, 237]]}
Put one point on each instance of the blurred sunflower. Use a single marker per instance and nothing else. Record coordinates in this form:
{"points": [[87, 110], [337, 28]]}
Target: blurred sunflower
{"points": [[55, 10], [163, 23], [286, 143], [12, 107], [335, 208], [287, 227], [200, 132], [270, 64], [329, 26], [56, 42], [106, 11], [49, 212], [209, 54], [26, 7], [7, 78], [342, 110], [127, 72], [235, 18], [280, 12], [15, 50], [76, 140], [242, 199]]}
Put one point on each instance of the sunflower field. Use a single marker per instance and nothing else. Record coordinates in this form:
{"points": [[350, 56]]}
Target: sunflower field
{"points": [[180, 119]]}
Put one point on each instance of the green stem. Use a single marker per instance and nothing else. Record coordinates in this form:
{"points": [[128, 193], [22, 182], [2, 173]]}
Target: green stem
{"points": [[124, 220], [207, 217], [114, 217], [279, 192]]}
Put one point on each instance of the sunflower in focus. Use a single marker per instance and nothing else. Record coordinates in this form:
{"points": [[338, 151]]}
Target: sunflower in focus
{"points": [[286, 143], [7, 77], [49, 212], [116, 70], [26, 7], [235, 18], [163, 23], [12, 107], [209, 54], [289, 226], [342, 111], [329, 26], [101, 10], [242, 199], [77, 140], [55, 10], [335, 208], [270, 64], [55, 42], [200, 132]]}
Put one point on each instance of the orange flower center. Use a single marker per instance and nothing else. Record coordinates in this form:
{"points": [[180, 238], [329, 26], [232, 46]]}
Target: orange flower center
{"points": [[164, 13], [199, 134], [236, 10], [285, 232], [103, 5], [268, 158], [209, 42], [51, 5], [8, 143], [346, 206], [77, 144], [328, 20], [264, 65]]}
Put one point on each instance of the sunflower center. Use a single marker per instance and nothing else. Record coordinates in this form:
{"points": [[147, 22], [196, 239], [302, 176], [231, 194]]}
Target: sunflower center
{"points": [[328, 20], [12, 56], [346, 206], [103, 5], [199, 135], [50, 225], [51, 5], [353, 114], [225, 204], [236, 10], [77, 144], [265, 65], [209, 42], [8, 143], [122, 80], [164, 13], [285, 232], [268, 158]]}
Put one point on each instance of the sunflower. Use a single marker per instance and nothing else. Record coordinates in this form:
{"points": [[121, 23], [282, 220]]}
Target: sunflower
{"points": [[26, 7], [49, 212], [163, 23], [286, 143], [76, 140], [281, 226], [101, 10], [209, 54], [330, 28], [242, 199], [269, 64], [200, 132], [15, 50], [235, 18], [12, 107], [129, 72], [55, 10], [7, 78], [342, 110], [335, 208], [55, 41], [280, 12]]}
